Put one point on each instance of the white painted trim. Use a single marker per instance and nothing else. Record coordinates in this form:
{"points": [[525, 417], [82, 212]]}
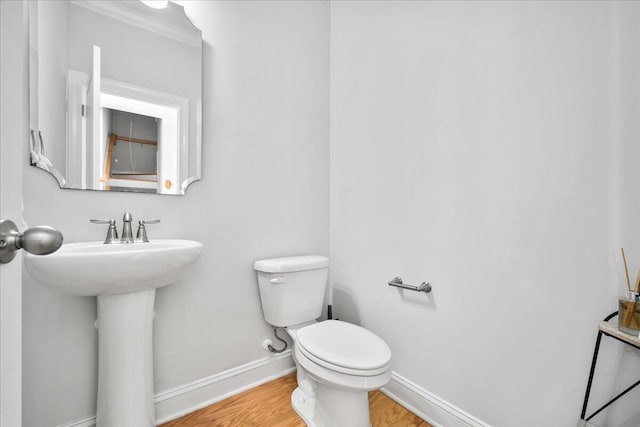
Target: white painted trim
{"points": [[172, 22], [77, 85], [428, 406], [13, 159], [95, 155], [82, 422], [127, 90], [186, 398], [182, 400], [133, 183], [169, 142], [173, 144]]}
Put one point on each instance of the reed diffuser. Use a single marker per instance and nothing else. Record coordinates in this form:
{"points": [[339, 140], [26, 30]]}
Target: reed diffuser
{"points": [[629, 305]]}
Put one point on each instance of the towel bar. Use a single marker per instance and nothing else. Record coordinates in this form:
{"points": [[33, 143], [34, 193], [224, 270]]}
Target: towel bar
{"points": [[397, 282]]}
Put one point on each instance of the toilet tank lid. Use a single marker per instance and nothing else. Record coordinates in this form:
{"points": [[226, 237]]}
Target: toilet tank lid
{"points": [[290, 264]]}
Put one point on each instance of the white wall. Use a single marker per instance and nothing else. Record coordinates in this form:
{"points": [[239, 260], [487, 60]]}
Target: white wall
{"points": [[491, 149], [264, 193]]}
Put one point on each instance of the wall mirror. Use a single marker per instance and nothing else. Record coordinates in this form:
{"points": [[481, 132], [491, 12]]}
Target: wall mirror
{"points": [[115, 95]]}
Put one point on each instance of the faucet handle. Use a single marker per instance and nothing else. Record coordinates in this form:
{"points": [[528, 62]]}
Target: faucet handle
{"points": [[103, 221], [142, 230], [112, 233]]}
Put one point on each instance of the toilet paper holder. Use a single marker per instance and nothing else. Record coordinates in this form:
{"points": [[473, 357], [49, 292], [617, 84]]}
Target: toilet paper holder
{"points": [[397, 282]]}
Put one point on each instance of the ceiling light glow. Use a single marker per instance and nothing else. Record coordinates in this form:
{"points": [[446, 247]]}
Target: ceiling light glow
{"points": [[156, 4]]}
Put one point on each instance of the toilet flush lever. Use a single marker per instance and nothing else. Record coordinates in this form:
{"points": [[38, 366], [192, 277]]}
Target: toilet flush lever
{"points": [[277, 280]]}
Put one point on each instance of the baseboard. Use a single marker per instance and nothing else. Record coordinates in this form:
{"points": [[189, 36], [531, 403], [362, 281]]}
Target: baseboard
{"points": [[436, 411], [184, 399], [179, 401], [82, 422]]}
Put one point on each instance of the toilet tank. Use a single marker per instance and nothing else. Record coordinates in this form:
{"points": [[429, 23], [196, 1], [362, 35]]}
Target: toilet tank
{"points": [[292, 289]]}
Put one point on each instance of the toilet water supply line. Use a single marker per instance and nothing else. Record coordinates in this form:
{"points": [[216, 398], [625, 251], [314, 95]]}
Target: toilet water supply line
{"points": [[272, 349]]}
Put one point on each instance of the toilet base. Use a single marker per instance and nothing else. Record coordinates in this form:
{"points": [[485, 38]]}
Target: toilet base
{"points": [[332, 407], [303, 406]]}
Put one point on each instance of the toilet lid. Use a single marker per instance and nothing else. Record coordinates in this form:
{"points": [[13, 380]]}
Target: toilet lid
{"points": [[344, 344]]}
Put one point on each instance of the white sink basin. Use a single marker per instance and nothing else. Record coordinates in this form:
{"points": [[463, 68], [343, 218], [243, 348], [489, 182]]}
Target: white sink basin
{"points": [[93, 268], [124, 277]]}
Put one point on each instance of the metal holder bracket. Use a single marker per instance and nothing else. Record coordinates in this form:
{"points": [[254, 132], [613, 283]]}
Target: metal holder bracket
{"points": [[397, 282]]}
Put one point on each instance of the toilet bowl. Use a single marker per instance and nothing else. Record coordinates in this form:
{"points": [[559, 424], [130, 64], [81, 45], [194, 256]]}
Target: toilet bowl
{"points": [[337, 362], [342, 363]]}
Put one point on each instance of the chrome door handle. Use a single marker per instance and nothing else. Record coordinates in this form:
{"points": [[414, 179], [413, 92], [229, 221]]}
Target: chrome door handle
{"points": [[40, 240]]}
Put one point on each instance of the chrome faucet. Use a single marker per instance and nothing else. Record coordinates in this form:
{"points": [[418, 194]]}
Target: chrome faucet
{"points": [[127, 234]]}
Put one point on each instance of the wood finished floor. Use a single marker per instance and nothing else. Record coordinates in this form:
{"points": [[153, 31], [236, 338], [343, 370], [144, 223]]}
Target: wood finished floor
{"points": [[269, 405]]}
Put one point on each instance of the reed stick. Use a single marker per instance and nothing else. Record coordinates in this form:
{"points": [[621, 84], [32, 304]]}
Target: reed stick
{"points": [[638, 283], [626, 270]]}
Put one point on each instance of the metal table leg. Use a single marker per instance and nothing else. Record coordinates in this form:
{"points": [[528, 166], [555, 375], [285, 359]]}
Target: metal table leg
{"points": [[592, 371]]}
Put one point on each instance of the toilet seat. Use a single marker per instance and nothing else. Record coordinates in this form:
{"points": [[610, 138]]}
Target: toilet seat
{"points": [[344, 347], [356, 380]]}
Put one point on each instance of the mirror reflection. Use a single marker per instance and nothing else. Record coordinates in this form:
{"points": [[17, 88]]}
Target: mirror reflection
{"points": [[132, 148], [115, 95]]}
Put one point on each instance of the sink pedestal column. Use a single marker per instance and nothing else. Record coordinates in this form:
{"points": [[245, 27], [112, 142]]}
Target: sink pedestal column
{"points": [[125, 360]]}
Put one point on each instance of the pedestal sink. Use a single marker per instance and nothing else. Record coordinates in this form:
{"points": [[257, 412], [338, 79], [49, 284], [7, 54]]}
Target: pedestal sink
{"points": [[124, 277]]}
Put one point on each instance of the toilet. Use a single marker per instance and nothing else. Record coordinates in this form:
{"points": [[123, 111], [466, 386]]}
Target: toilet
{"points": [[337, 362]]}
